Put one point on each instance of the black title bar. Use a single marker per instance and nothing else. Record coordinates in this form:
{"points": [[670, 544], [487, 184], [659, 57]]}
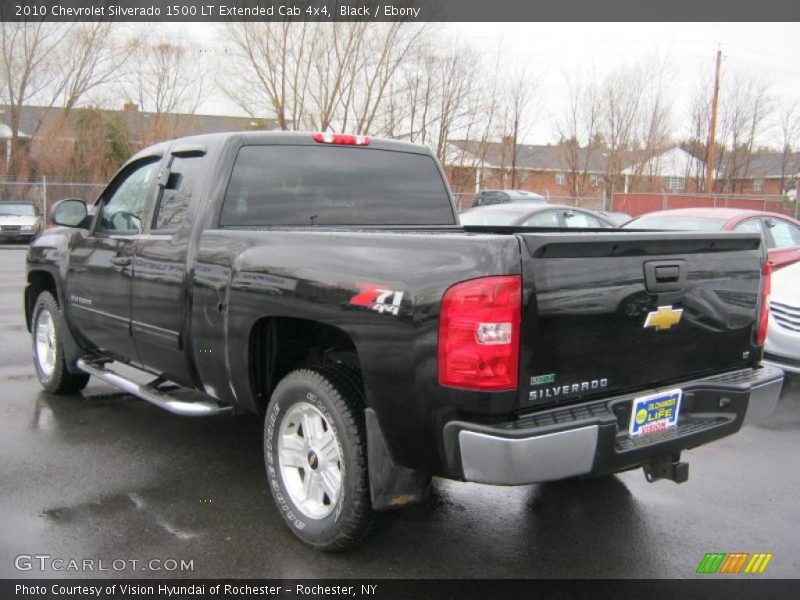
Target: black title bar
{"points": [[383, 589], [400, 10]]}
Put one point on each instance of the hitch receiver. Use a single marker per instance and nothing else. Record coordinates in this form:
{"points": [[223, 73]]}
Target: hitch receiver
{"points": [[666, 467]]}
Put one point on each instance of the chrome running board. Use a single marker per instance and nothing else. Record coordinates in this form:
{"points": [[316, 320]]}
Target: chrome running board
{"points": [[201, 407]]}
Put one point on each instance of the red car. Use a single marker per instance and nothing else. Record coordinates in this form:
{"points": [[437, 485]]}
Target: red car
{"points": [[781, 232]]}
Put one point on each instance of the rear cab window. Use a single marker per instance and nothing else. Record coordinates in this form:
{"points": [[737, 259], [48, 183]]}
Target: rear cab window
{"points": [[334, 185]]}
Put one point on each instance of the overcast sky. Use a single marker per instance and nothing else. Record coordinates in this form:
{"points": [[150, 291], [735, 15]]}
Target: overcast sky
{"points": [[769, 50], [551, 50]]}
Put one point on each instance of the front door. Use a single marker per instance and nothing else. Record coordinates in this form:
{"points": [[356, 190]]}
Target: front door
{"points": [[101, 263]]}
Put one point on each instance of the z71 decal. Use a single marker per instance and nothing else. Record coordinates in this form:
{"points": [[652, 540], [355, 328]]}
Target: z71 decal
{"points": [[377, 298]]}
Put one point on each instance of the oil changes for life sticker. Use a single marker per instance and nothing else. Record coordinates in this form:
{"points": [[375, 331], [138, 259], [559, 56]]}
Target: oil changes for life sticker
{"points": [[655, 412]]}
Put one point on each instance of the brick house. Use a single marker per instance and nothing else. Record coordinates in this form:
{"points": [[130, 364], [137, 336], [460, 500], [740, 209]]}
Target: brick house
{"points": [[765, 173], [140, 128], [544, 169]]}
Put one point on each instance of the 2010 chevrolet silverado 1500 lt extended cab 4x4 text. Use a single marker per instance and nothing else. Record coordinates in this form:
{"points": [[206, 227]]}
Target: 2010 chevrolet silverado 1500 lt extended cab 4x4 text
{"points": [[324, 282]]}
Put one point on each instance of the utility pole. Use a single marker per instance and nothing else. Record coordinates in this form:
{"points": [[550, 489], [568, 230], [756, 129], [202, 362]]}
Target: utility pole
{"points": [[712, 133]]}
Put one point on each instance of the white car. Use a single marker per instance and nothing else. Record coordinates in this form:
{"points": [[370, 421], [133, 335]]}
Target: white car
{"points": [[783, 334], [19, 221]]}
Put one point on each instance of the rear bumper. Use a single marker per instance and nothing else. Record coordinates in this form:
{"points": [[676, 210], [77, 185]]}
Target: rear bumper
{"points": [[592, 438]]}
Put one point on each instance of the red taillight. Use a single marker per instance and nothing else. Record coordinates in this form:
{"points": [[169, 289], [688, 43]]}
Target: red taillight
{"points": [[763, 312], [479, 334], [341, 139]]}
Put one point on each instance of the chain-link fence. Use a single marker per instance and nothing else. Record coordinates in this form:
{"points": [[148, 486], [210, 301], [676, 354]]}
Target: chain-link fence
{"points": [[44, 193]]}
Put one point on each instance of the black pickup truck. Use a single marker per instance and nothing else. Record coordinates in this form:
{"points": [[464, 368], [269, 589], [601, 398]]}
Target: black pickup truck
{"points": [[324, 282]]}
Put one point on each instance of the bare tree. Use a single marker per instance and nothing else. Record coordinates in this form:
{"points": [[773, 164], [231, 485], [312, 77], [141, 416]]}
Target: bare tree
{"points": [[697, 141], [621, 96], [90, 57], [577, 129], [745, 105], [653, 123], [521, 96], [274, 74], [167, 79], [325, 76], [385, 50], [789, 128], [26, 72]]}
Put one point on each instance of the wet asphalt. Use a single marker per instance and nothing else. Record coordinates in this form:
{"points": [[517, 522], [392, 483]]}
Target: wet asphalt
{"points": [[104, 476]]}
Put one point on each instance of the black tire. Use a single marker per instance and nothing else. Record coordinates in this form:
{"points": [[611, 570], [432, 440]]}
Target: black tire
{"points": [[58, 380], [334, 391]]}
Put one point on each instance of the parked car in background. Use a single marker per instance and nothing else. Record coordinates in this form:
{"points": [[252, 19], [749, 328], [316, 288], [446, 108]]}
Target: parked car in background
{"points": [[783, 334], [485, 197], [19, 221], [535, 215], [782, 233]]}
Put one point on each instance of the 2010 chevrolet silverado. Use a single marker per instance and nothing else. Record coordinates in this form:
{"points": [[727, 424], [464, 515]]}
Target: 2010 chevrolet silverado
{"points": [[324, 282]]}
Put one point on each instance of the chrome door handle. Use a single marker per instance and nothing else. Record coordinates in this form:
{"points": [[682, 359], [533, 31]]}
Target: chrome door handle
{"points": [[121, 261]]}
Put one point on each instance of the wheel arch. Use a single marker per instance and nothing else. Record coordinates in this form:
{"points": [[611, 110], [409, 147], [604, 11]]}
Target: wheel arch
{"points": [[278, 345], [39, 281]]}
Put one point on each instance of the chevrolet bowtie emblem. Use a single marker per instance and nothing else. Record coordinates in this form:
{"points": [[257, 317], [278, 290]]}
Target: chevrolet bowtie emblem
{"points": [[663, 318]]}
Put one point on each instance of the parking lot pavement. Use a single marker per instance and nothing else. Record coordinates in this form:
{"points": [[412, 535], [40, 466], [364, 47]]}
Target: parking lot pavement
{"points": [[105, 476]]}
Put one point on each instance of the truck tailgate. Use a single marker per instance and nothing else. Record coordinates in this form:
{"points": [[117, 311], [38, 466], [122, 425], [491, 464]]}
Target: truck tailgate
{"points": [[613, 312]]}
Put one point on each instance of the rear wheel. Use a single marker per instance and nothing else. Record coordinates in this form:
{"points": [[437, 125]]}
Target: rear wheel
{"points": [[47, 329], [316, 457]]}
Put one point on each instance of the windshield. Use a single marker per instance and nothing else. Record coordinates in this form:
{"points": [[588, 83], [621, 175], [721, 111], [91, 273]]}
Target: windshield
{"points": [[676, 223], [17, 210], [487, 217]]}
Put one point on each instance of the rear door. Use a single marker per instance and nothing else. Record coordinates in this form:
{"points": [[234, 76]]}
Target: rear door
{"points": [[101, 262], [160, 297], [610, 312]]}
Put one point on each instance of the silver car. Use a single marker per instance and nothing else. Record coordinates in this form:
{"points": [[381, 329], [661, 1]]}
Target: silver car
{"points": [[783, 334], [19, 221]]}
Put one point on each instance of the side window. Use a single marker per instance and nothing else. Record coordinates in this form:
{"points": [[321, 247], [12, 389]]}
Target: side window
{"points": [[547, 218], [184, 174], [577, 220], [784, 234], [750, 226], [122, 211]]}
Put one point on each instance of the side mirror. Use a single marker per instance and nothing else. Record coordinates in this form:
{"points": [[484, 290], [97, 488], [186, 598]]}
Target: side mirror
{"points": [[70, 213]]}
